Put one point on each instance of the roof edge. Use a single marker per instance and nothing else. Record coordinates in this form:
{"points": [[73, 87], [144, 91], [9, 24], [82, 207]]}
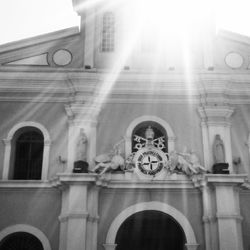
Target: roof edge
{"points": [[234, 36], [39, 39]]}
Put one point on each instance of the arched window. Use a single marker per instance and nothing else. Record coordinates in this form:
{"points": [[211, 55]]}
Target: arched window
{"points": [[159, 136], [108, 32], [138, 127], [27, 154], [21, 241]]}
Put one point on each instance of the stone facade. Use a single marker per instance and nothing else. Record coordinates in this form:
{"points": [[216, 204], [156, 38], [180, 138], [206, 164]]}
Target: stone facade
{"points": [[62, 83]]}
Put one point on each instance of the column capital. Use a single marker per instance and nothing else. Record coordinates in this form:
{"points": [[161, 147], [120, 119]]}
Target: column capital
{"points": [[82, 112], [6, 142], [191, 246], [225, 180], [109, 246], [215, 113]]}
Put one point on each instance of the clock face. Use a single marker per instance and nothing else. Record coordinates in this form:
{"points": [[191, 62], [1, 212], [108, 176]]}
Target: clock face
{"points": [[149, 161]]}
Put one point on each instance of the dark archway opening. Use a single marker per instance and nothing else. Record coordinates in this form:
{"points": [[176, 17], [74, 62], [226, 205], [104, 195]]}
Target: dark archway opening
{"points": [[21, 241], [150, 230], [28, 161]]}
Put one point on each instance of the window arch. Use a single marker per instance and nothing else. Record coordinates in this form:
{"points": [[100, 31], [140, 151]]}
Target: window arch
{"points": [[27, 149], [141, 129], [163, 127], [108, 32], [24, 231]]}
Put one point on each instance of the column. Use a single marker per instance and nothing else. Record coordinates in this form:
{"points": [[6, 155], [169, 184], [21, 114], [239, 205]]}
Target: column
{"points": [[109, 246], [209, 35], [93, 218], [81, 116], [89, 42], [86, 10], [215, 119], [209, 219], [6, 163], [79, 207], [192, 246], [74, 218], [227, 209], [45, 167]]}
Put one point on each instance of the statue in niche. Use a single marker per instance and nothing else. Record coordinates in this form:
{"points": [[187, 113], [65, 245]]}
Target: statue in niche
{"points": [[81, 164], [220, 166], [218, 150]]}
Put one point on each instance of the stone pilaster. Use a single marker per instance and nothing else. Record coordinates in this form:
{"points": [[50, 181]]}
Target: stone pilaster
{"points": [[75, 213], [209, 217], [92, 224], [192, 246], [227, 209], [109, 246], [86, 10], [215, 119]]}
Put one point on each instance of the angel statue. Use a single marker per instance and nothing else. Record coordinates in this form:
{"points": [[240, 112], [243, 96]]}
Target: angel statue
{"points": [[110, 161]]}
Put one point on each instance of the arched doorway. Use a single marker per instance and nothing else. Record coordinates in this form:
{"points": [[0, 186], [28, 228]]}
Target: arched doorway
{"points": [[21, 241], [150, 230]]}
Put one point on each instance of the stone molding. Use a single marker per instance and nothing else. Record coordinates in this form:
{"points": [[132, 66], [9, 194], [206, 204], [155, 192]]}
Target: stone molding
{"points": [[28, 229], [158, 206], [8, 147], [169, 131]]}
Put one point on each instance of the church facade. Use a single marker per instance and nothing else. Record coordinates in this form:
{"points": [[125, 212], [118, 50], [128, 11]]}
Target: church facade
{"points": [[103, 149]]}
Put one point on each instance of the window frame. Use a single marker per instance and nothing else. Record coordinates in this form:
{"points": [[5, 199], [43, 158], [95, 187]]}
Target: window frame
{"points": [[111, 33], [8, 142], [129, 133], [32, 169]]}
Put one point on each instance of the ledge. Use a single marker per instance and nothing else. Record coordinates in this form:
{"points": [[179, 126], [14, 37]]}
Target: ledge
{"points": [[221, 179], [22, 184], [125, 181]]}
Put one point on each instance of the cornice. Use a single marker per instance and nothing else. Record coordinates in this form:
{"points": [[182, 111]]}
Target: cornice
{"points": [[59, 86]]}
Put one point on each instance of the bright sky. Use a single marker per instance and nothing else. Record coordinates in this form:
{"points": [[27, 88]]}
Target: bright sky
{"points": [[26, 18]]}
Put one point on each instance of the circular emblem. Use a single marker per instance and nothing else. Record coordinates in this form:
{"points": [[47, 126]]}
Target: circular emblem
{"points": [[149, 161]]}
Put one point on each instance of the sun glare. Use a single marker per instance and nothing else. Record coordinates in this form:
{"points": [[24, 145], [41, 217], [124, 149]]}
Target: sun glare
{"points": [[163, 20]]}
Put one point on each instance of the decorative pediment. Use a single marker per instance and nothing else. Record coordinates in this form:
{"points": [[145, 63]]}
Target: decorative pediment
{"points": [[33, 60], [232, 51], [57, 49]]}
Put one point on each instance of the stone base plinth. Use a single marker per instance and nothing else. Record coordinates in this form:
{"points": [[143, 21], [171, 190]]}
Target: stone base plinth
{"points": [[220, 168], [80, 167]]}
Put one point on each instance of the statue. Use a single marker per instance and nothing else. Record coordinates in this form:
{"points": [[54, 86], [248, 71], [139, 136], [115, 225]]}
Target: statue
{"points": [[81, 146], [81, 164], [185, 162], [129, 163], [185, 165], [220, 166], [218, 150], [173, 161], [111, 161], [194, 160]]}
